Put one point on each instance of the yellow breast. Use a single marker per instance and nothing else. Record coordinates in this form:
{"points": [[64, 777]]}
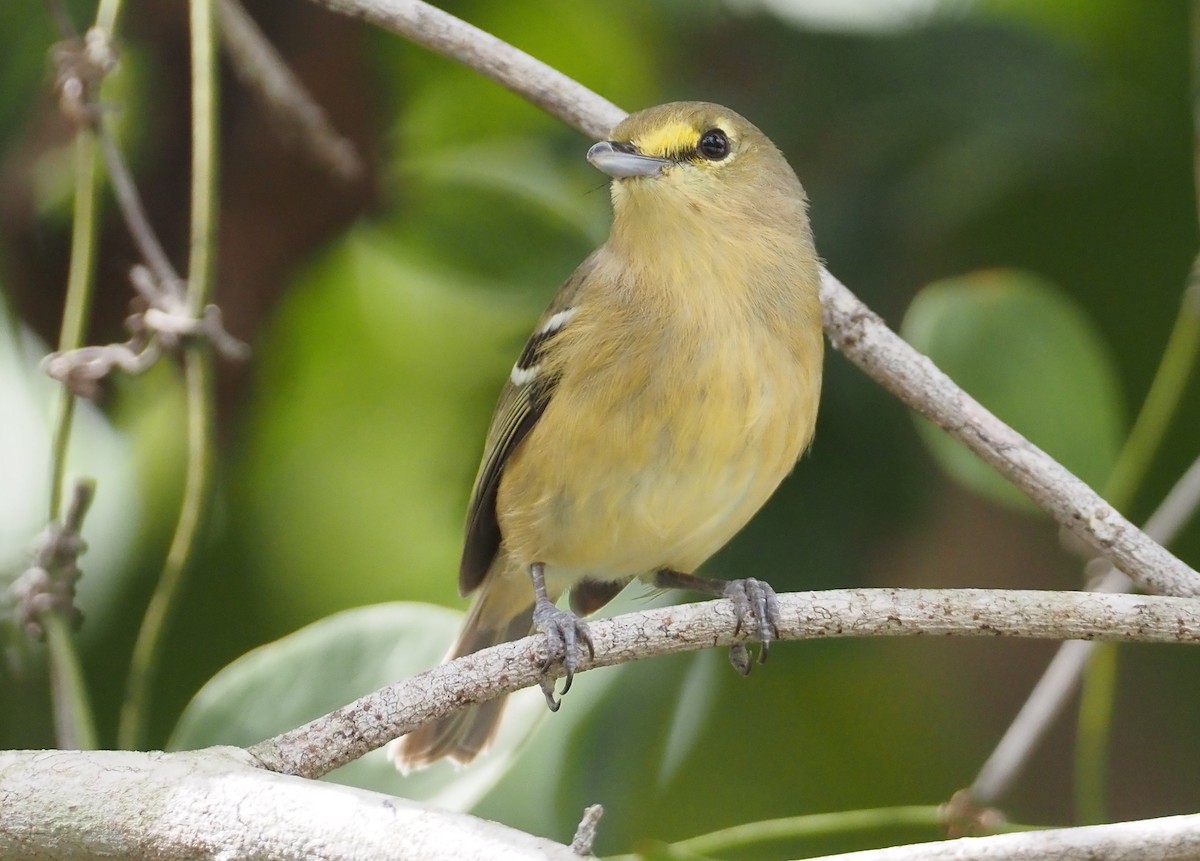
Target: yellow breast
{"points": [[665, 434]]}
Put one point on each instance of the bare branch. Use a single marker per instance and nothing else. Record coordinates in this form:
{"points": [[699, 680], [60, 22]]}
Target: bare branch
{"points": [[372, 721], [1171, 838], [865, 340], [1177, 508], [533, 80], [1061, 677], [260, 67], [81, 65], [214, 804]]}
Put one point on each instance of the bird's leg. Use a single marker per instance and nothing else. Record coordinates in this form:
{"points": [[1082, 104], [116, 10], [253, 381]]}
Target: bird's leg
{"points": [[748, 596], [564, 633]]}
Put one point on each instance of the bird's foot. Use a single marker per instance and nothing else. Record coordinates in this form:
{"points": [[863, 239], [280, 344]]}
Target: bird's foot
{"points": [[566, 634], [757, 599]]}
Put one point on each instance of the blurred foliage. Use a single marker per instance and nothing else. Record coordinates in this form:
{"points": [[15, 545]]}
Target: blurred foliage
{"points": [[1049, 142], [330, 663], [1055, 382]]}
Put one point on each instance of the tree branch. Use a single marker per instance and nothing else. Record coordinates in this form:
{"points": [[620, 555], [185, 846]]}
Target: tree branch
{"points": [[370, 722], [215, 804], [1171, 838], [1061, 677], [68, 805], [260, 67], [512, 68], [863, 337]]}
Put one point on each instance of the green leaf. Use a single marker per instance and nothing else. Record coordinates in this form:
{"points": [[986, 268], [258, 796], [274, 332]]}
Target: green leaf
{"points": [[1023, 349], [332, 662], [377, 382]]}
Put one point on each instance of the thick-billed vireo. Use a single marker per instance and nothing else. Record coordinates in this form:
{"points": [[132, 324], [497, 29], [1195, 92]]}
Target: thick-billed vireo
{"points": [[663, 396]]}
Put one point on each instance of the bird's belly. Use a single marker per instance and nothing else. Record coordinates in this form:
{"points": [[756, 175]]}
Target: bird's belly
{"points": [[663, 479]]}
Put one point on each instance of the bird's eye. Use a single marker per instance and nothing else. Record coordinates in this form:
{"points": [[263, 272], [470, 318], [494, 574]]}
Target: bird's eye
{"points": [[714, 145]]}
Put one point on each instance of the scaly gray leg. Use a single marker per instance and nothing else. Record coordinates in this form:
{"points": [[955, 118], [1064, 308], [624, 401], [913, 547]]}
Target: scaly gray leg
{"points": [[564, 631], [749, 596]]}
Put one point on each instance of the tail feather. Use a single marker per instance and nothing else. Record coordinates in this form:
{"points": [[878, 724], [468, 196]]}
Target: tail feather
{"points": [[466, 733]]}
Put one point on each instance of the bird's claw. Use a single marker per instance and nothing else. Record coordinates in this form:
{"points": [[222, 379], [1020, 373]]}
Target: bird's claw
{"points": [[757, 599], [739, 656], [565, 633]]}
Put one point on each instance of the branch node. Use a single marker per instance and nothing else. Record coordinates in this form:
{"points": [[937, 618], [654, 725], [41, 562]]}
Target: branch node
{"points": [[80, 65], [585, 834], [48, 585], [163, 325], [962, 816]]}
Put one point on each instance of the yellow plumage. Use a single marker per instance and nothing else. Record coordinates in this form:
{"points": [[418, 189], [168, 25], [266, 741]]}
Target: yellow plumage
{"points": [[670, 386]]}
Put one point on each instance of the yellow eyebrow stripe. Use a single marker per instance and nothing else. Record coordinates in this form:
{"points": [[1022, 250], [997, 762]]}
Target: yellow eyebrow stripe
{"points": [[668, 141]]}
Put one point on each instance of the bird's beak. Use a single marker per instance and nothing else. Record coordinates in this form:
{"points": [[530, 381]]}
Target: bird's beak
{"points": [[622, 160]]}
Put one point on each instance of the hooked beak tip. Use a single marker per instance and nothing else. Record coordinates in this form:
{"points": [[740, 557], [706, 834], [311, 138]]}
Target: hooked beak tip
{"points": [[621, 161]]}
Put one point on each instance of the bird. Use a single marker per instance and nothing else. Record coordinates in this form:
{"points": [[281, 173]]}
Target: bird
{"points": [[670, 386]]}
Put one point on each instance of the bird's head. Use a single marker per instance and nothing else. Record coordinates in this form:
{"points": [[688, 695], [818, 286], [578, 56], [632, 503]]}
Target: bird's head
{"points": [[700, 159]]}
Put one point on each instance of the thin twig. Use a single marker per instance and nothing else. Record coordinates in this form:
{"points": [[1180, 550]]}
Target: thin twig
{"points": [[731, 840], [1061, 677], [73, 715], [203, 245], [372, 721], [1163, 399], [168, 315], [531, 79], [129, 203], [197, 360], [44, 598], [260, 67]]}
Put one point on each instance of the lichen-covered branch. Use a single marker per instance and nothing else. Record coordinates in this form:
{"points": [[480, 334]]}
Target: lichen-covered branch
{"points": [[370, 722], [214, 803]]}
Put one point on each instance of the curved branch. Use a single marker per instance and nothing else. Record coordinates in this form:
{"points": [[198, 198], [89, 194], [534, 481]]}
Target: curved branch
{"points": [[512, 68], [372, 721]]}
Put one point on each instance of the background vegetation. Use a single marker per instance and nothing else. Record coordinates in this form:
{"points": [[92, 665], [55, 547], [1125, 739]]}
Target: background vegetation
{"points": [[1036, 160]]}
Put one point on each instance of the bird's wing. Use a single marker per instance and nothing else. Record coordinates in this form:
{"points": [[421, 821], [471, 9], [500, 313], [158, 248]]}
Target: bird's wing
{"points": [[521, 404]]}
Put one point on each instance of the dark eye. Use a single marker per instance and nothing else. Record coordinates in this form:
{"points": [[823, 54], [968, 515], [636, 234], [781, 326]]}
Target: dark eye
{"points": [[714, 145]]}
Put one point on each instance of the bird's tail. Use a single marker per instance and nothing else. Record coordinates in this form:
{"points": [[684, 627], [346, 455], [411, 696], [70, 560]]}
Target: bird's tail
{"points": [[463, 735]]}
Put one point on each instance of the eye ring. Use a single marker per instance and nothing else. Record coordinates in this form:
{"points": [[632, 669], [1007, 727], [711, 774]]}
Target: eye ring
{"points": [[714, 145]]}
